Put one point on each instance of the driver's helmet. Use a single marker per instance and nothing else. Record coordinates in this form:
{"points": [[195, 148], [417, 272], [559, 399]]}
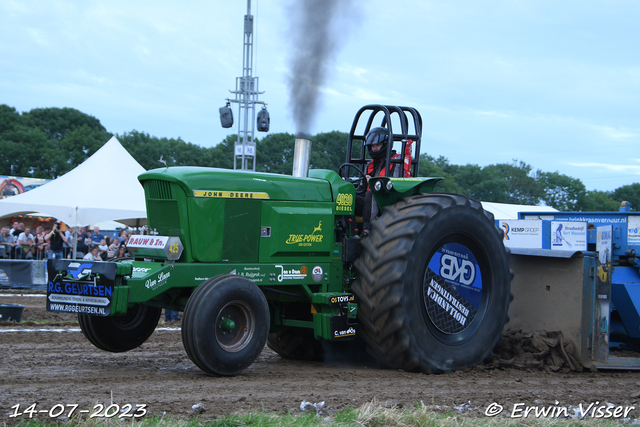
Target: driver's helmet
{"points": [[377, 135]]}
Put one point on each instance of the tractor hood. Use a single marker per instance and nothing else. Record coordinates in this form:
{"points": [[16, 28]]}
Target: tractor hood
{"points": [[241, 184]]}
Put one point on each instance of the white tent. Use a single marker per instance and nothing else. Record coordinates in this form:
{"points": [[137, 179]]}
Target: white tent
{"points": [[104, 187], [508, 211]]}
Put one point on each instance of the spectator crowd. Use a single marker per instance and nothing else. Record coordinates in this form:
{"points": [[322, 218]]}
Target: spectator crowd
{"points": [[18, 241]]}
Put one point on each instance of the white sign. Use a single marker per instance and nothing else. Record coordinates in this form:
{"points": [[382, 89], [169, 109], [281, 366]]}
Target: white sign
{"points": [[521, 233], [78, 299], [569, 236], [170, 245], [604, 243], [147, 242], [633, 231], [249, 150]]}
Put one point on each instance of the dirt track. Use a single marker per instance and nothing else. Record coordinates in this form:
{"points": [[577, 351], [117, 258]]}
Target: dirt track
{"points": [[55, 364]]}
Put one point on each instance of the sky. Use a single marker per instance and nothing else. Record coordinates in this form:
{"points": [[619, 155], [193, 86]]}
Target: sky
{"points": [[553, 84]]}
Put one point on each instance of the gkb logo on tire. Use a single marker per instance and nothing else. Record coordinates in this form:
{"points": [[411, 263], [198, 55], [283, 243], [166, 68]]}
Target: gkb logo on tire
{"points": [[459, 270]]}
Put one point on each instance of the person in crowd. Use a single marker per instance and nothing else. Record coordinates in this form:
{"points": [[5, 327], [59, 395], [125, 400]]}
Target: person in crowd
{"points": [[68, 247], [29, 250], [24, 245], [81, 245], [96, 236], [113, 247], [12, 242], [42, 246], [5, 247], [16, 229], [56, 239], [121, 252], [93, 255], [104, 248], [124, 237]]}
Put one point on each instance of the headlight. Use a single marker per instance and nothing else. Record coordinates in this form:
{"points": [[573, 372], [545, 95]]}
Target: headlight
{"points": [[389, 186], [377, 186]]}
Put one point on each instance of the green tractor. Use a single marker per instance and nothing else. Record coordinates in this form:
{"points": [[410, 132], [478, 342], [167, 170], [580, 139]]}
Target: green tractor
{"points": [[253, 259]]}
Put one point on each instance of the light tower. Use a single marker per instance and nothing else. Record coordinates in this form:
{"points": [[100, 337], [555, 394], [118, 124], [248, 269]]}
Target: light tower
{"points": [[246, 96]]}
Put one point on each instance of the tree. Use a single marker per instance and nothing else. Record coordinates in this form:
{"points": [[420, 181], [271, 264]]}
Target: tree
{"points": [[478, 183], [561, 191], [221, 156], [600, 201], [430, 167], [630, 193], [9, 119], [56, 123], [146, 149], [20, 143], [490, 186], [78, 145], [328, 150], [22, 148], [275, 153], [522, 187], [47, 142]]}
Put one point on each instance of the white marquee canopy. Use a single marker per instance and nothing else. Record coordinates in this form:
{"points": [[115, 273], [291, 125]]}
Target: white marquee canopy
{"points": [[104, 187]]}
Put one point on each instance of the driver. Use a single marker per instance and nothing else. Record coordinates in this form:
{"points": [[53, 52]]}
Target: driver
{"points": [[377, 141]]}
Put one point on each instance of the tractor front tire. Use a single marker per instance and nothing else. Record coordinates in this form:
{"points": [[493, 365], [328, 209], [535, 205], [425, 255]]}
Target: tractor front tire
{"points": [[120, 333], [225, 325], [434, 284]]}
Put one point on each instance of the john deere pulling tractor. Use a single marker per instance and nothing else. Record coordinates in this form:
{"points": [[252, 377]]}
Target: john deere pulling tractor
{"points": [[254, 259]]}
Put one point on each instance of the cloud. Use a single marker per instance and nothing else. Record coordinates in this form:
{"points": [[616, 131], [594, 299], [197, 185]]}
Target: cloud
{"points": [[38, 36], [367, 95], [358, 93], [358, 72], [616, 133], [633, 169], [502, 115]]}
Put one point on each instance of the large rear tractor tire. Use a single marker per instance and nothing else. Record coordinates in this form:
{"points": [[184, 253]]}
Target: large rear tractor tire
{"points": [[434, 284], [120, 333], [225, 325]]}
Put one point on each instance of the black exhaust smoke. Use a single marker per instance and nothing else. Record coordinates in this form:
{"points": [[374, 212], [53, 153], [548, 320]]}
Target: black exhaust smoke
{"points": [[318, 28]]}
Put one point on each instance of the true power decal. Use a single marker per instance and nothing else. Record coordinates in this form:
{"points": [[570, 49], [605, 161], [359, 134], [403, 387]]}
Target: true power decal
{"points": [[452, 288]]}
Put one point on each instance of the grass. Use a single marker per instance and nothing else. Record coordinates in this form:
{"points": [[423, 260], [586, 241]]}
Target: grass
{"points": [[369, 415]]}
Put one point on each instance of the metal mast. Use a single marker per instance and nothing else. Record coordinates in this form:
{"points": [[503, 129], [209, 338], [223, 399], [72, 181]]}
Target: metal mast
{"points": [[246, 93]]}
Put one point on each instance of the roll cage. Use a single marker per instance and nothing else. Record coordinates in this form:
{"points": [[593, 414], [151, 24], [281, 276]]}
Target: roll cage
{"points": [[409, 130]]}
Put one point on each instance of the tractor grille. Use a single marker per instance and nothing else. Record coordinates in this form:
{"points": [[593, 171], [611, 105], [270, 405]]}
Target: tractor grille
{"points": [[157, 189]]}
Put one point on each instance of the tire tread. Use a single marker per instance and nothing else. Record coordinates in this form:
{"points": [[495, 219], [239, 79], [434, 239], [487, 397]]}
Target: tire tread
{"points": [[382, 266]]}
